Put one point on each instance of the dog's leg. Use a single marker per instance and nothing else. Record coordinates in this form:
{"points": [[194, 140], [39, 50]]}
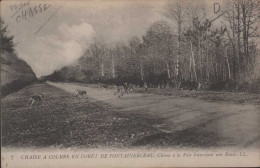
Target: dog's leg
{"points": [[32, 102], [78, 95], [29, 101], [41, 102]]}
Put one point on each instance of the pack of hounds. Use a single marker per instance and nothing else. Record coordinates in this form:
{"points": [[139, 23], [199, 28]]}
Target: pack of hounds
{"points": [[120, 90]]}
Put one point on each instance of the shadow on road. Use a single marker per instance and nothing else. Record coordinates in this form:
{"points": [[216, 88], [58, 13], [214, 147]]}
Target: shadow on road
{"points": [[192, 137]]}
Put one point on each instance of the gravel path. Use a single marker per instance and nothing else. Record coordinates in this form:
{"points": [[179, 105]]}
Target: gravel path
{"points": [[226, 124]]}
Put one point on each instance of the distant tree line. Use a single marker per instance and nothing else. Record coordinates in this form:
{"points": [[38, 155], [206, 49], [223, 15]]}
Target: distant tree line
{"points": [[194, 49]]}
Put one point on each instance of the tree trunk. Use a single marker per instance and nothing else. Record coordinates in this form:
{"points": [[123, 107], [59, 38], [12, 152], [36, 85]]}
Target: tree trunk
{"points": [[238, 36], [113, 67], [249, 61], [228, 66], [142, 71], [235, 69], [190, 73], [177, 65], [168, 70], [216, 72], [102, 69], [193, 61], [179, 52], [245, 57], [247, 48], [207, 66], [200, 60]]}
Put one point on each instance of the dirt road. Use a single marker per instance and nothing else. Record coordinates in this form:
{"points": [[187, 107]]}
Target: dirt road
{"points": [[224, 124]]}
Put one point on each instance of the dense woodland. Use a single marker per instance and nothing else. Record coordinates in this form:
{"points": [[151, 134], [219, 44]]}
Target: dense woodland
{"points": [[220, 52]]}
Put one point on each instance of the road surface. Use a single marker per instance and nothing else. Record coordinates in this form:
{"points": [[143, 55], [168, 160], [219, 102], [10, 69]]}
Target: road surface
{"points": [[226, 123]]}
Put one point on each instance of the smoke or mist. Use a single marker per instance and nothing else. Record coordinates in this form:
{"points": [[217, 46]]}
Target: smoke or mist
{"points": [[68, 33]]}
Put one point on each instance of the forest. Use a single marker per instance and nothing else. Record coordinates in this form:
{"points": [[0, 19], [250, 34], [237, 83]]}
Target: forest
{"points": [[187, 48]]}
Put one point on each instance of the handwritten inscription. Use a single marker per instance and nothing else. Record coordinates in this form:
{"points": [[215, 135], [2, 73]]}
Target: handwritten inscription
{"points": [[25, 11], [216, 7], [19, 6]]}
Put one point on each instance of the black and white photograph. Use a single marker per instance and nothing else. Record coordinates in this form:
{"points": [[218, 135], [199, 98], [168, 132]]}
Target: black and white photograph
{"points": [[128, 83]]}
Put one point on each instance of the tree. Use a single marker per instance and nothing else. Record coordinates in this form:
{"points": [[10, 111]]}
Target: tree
{"points": [[136, 55], [242, 21], [159, 39], [175, 12], [141, 52], [6, 41], [99, 52]]}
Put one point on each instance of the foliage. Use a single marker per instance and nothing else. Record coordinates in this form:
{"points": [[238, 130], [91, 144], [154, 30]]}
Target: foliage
{"points": [[197, 50], [6, 41]]}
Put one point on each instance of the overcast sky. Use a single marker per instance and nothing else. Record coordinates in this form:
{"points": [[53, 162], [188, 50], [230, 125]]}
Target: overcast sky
{"points": [[74, 25], [57, 32]]}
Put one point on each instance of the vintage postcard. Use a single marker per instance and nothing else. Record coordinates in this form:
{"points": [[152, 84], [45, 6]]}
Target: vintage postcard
{"points": [[130, 83]]}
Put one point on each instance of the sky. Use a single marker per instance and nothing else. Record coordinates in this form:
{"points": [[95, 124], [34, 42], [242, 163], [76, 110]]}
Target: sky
{"points": [[51, 34]]}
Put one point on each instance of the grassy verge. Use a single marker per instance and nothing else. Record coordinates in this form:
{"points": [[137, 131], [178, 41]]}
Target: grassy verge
{"points": [[64, 120]]}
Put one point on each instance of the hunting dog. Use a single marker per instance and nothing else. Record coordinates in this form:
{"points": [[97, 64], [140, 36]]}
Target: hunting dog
{"points": [[128, 88], [81, 93], [145, 86], [35, 98], [119, 91], [131, 88], [102, 86]]}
